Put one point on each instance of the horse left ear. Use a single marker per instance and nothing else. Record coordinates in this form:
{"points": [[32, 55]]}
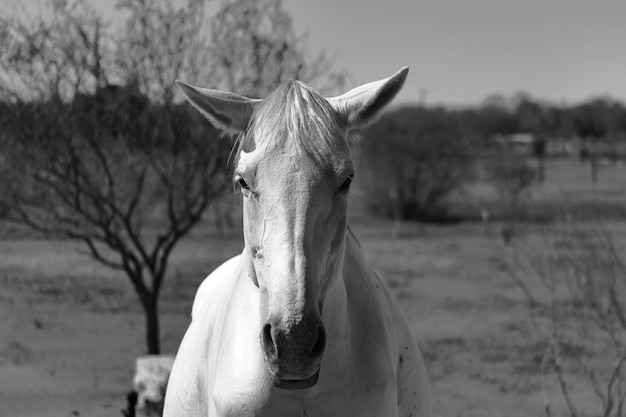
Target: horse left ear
{"points": [[363, 105], [227, 111]]}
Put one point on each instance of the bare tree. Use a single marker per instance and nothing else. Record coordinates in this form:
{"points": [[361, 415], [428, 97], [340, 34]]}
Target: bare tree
{"points": [[584, 276], [95, 146], [93, 161], [511, 177], [253, 48]]}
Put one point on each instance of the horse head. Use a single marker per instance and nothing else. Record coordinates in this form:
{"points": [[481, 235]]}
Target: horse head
{"points": [[294, 169]]}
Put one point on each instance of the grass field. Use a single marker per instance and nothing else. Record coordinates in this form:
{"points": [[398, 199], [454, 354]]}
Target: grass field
{"points": [[71, 329]]}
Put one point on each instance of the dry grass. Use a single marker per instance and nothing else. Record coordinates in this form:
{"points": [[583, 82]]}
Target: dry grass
{"points": [[567, 195]]}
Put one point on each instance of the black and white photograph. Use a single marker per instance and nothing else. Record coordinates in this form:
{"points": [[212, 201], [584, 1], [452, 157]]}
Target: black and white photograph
{"points": [[299, 208]]}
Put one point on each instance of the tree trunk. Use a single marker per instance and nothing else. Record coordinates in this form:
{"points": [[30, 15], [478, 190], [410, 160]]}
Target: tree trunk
{"points": [[150, 307]]}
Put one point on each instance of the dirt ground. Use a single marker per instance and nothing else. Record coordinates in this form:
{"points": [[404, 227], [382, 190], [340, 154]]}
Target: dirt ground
{"points": [[70, 329], [69, 335]]}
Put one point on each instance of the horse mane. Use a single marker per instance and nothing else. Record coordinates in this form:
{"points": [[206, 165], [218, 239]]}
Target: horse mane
{"points": [[295, 116]]}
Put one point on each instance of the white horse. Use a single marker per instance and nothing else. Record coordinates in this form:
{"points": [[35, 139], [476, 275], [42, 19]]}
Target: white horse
{"points": [[298, 324]]}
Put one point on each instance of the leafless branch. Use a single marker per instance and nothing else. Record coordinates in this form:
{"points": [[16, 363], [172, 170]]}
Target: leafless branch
{"points": [[98, 149]]}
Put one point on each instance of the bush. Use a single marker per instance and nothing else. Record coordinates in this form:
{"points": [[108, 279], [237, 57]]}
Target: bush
{"points": [[511, 176], [411, 159]]}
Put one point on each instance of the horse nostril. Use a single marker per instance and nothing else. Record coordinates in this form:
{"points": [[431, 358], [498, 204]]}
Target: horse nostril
{"points": [[320, 343], [269, 348]]}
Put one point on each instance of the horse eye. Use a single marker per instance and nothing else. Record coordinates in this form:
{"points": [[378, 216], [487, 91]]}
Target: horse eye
{"points": [[243, 184], [346, 184]]}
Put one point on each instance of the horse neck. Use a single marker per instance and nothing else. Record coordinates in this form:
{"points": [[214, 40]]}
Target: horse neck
{"points": [[335, 315]]}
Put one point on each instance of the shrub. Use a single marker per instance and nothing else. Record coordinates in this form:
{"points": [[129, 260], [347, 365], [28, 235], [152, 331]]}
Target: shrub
{"points": [[411, 159], [511, 176]]}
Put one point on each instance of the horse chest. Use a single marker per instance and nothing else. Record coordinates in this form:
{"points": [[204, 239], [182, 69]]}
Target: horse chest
{"points": [[357, 399]]}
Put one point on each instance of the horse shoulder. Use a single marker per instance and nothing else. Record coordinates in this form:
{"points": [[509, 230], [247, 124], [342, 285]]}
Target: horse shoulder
{"points": [[188, 384], [213, 285], [413, 387]]}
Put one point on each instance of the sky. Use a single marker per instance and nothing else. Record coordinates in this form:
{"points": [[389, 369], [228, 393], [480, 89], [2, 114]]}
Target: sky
{"points": [[461, 51]]}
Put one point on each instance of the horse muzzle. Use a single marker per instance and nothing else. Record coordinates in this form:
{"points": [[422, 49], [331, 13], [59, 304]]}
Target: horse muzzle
{"points": [[294, 354]]}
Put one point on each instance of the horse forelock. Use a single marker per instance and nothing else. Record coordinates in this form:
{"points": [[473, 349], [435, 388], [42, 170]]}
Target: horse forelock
{"points": [[294, 117]]}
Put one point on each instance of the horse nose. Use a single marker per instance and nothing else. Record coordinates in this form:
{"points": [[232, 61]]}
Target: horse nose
{"points": [[300, 343]]}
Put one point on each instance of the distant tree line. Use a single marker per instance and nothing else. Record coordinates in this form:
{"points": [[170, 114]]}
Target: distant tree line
{"points": [[602, 119], [414, 156]]}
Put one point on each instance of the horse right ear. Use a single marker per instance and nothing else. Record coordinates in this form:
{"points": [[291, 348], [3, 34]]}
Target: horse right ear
{"points": [[227, 111], [363, 105]]}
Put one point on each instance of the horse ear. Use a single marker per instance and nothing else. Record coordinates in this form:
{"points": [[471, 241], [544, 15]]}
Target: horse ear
{"points": [[227, 111], [362, 105]]}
